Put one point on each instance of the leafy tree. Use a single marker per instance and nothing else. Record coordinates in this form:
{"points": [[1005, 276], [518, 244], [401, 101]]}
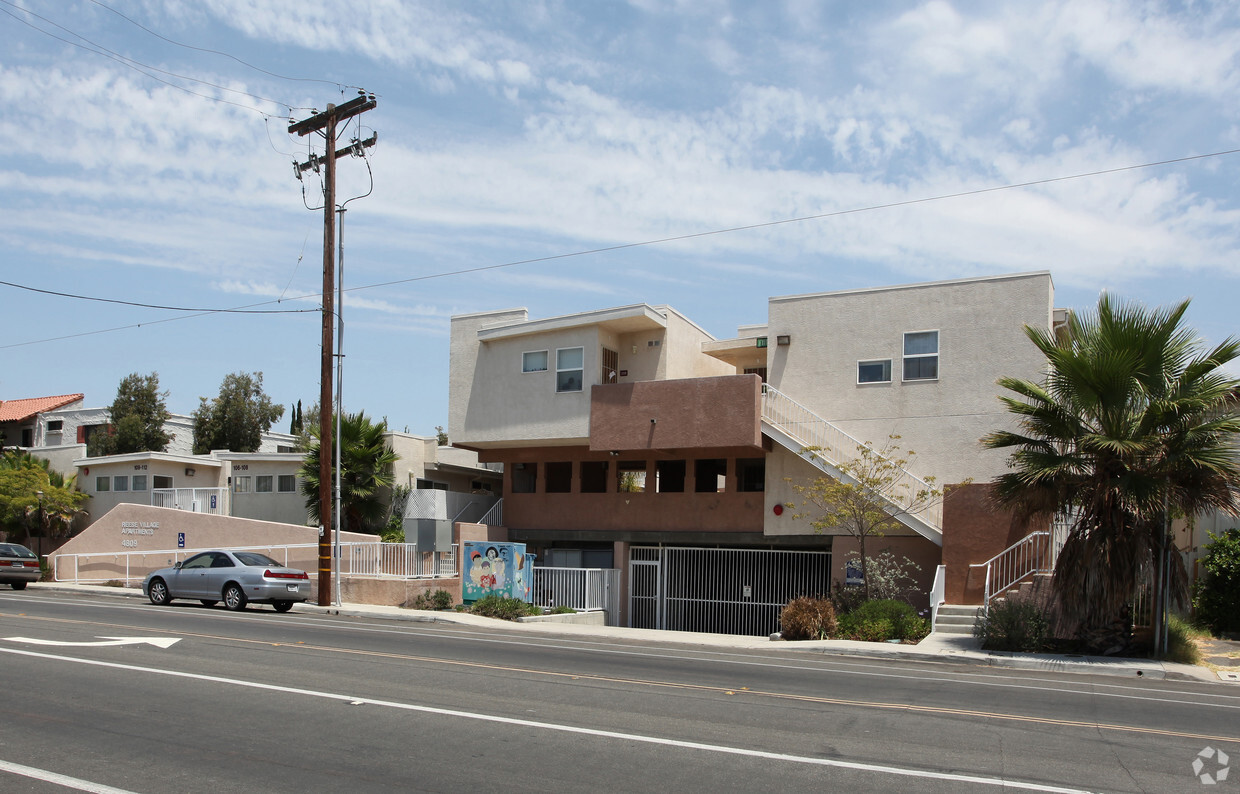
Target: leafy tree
{"points": [[441, 436], [237, 418], [136, 419], [22, 512], [869, 501], [1133, 419], [1217, 594], [366, 463], [296, 425]]}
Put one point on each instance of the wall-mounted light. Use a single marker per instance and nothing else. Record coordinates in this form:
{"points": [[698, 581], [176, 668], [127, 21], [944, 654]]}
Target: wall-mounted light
{"points": [[189, 472], [614, 454], [783, 340]]}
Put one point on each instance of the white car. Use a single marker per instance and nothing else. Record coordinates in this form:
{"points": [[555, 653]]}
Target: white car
{"points": [[235, 577]]}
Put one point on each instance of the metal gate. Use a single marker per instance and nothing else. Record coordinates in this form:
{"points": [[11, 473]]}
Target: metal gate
{"points": [[721, 591]]}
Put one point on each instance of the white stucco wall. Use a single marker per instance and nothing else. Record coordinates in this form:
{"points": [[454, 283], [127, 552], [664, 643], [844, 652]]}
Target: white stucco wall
{"points": [[981, 338]]}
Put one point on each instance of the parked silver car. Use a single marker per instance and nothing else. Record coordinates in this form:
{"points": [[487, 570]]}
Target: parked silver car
{"points": [[19, 566], [235, 577]]}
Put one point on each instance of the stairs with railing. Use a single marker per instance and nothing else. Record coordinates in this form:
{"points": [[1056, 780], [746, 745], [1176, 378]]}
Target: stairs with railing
{"points": [[832, 450], [1017, 565]]}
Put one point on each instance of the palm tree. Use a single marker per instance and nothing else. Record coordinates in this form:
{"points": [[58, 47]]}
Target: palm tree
{"points": [[366, 468], [1133, 422]]}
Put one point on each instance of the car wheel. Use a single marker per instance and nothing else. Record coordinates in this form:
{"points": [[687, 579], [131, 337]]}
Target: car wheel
{"points": [[158, 593], [282, 606], [206, 602], [19, 585], [234, 597]]}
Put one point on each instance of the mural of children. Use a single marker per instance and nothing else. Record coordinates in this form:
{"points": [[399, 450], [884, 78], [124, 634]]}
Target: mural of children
{"points": [[497, 566]]}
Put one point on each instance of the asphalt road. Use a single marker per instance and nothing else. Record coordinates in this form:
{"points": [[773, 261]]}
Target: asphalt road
{"points": [[259, 701]]}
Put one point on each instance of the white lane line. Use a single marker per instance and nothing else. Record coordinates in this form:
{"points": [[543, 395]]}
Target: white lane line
{"points": [[550, 726], [60, 780]]}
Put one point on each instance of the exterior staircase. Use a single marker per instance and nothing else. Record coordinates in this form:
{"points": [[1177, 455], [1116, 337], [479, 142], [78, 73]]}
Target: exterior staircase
{"points": [[824, 445], [956, 619]]}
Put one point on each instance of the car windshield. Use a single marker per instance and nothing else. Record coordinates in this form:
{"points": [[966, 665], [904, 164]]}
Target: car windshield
{"points": [[14, 550], [253, 558]]}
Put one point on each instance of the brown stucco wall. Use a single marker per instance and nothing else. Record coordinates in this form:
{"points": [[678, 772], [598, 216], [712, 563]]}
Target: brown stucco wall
{"points": [[677, 414], [975, 529], [924, 553]]}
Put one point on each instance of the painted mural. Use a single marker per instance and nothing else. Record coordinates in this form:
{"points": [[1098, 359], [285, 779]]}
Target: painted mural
{"points": [[495, 569]]}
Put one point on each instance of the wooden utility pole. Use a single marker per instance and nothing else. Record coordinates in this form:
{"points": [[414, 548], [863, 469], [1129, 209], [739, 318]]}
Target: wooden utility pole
{"points": [[326, 121]]}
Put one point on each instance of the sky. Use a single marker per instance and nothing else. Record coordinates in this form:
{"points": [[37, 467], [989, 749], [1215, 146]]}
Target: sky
{"points": [[571, 156]]}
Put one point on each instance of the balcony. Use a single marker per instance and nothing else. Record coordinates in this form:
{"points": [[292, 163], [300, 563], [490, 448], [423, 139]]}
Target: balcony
{"points": [[693, 413]]}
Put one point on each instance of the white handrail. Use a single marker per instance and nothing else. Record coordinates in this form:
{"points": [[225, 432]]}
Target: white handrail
{"points": [[938, 594], [1030, 555], [838, 448]]}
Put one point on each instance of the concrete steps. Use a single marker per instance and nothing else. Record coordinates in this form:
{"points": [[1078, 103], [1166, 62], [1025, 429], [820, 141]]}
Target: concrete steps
{"points": [[956, 619]]}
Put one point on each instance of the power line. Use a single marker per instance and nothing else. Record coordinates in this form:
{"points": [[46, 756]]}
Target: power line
{"points": [[208, 310], [659, 241], [133, 22], [140, 67]]}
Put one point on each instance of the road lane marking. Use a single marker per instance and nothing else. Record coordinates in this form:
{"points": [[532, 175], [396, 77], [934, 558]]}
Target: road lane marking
{"points": [[161, 642], [59, 779], [551, 726]]}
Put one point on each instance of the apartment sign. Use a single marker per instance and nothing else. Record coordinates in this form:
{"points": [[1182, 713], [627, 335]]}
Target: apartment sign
{"points": [[140, 528]]}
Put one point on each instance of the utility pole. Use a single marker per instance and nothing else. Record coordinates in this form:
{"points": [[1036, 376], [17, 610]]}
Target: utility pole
{"points": [[326, 122]]}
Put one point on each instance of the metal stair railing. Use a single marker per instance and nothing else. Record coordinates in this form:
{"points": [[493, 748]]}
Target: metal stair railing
{"points": [[1030, 555], [495, 516], [838, 448]]}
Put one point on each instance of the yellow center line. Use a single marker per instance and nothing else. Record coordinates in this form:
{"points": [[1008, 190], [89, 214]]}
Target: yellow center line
{"points": [[733, 691]]}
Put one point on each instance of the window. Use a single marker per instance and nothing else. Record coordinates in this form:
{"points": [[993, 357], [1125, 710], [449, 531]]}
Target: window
{"points": [[286, 483], [877, 371], [921, 355], [611, 367], [669, 476], [524, 477], [55, 425], [759, 371], [103, 484], [559, 477], [594, 476], [631, 476], [480, 485], [751, 474], [139, 482], [120, 483], [569, 365], [534, 361], [430, 485], [161, 481], [710, 475], [284, 448], [262, 483], [243, 484]]}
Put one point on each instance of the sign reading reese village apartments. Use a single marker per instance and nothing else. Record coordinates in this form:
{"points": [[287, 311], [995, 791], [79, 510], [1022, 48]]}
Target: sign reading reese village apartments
{"points": [[136, 528]]}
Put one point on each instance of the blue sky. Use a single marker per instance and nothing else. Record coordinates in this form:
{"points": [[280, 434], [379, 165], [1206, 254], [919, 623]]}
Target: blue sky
{"points": [[523, 130]]}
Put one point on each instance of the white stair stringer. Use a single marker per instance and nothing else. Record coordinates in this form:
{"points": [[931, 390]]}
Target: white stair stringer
{"points": [[825, 446]]}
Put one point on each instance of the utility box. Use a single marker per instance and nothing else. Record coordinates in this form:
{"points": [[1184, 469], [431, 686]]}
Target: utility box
{"points": [[431, 534], [502, 569]]}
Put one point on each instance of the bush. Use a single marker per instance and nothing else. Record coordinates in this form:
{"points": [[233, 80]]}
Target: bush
{"points": [[504, 608], [846, 598], [807, 618], [560, 610], [885, 619], [1216, 596], [1014, 625], [440, 599], [1180, 645]]}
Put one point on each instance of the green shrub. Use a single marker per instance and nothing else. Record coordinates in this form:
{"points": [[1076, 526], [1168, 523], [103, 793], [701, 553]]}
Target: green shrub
{"points": [[846, 598], [440, 599], [1180, 645], [1216, 596], [807, 618], [885, 619], [1014, 625], [504, 608], [560, 610]]}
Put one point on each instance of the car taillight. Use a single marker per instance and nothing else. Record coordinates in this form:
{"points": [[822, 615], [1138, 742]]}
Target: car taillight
{"points": [[270, 574], [32, 563]]}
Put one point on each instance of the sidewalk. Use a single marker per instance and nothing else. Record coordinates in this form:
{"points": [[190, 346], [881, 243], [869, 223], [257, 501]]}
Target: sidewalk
{"points": [[950, 648]]}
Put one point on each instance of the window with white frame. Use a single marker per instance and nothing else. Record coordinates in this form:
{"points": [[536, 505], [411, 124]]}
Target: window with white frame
{"points": [[569, 366], [921, 355], [876, 371], [120, 482], [534, 361], [286, 483], [103, 484], [243, 484], [139, 482], [262, 483]]}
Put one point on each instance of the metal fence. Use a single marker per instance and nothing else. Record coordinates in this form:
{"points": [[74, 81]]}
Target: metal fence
{"points": [[213, 501], [379, 560], [582, 589]]}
